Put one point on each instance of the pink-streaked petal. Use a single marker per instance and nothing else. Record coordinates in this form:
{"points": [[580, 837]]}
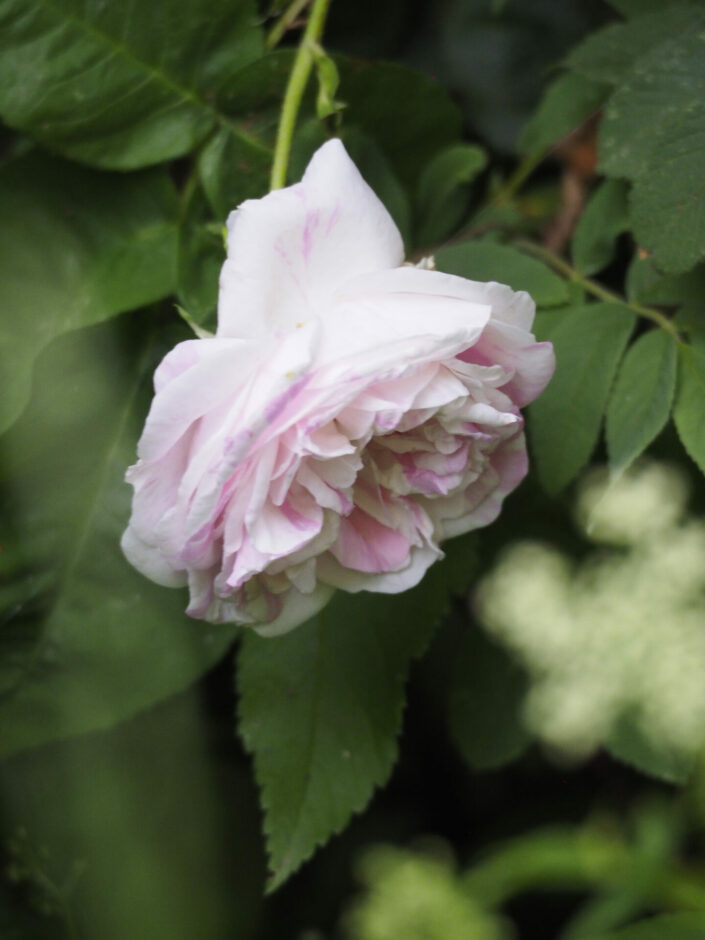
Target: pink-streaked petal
{"points": [[393, 582], [481, 502], [288, 252], [530, 365], [278, 531], [366, 545], [215, 371]]}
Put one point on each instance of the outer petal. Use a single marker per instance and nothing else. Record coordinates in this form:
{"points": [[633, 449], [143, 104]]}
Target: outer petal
{"points": [[297, 608], [506, 339], [399, 316], [191, 381], [150, 561], [391, 582], [290, 250]]}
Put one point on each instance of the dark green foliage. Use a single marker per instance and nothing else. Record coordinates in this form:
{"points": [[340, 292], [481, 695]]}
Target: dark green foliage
{"points": [[565, 422], [131, 131]]}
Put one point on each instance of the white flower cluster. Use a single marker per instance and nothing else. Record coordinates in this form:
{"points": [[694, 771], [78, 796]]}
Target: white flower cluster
{"points": [[623, 633]]}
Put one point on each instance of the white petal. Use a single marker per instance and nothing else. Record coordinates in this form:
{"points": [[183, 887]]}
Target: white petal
{"points": [[391, 582], [289, 251], [150, 561], [297, 608], [207, 372]]}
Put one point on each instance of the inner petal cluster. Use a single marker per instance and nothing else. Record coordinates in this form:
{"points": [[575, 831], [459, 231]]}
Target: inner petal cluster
{"points": [[352, 488]]}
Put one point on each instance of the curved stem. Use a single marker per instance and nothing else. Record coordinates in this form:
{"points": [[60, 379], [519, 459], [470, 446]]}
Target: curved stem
{"points": [[285, 22], [303, 64], [597, 290], [517, 179]]}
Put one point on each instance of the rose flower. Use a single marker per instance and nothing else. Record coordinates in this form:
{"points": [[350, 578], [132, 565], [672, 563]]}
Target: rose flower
{"points": [[349, 414]]}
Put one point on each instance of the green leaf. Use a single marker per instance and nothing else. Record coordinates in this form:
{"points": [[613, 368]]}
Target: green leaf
{"points": [[486, 261], [641, 400], [565, 420], [104, 642], [328, 81], [234, 165], [690, 400], [689, 925], [158, 780], [628, 743], [231, 171], [567, 102], [604, 218], [652, 131], [321, 708], [200, 256], [484, 701], [408, 115], [668, 198], [650, 286], [609, 54], [662, 83], [443, 189], [122, 85], [76, 247]]}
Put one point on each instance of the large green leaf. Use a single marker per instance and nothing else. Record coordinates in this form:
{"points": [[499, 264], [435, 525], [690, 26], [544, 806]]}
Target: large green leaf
{"points": [[123, 84], [661, 89], [157, 791], [486, 261], [101, 642], [689, 409], [565, 420], [641, 400], [609, 54], [653, 128], [668, 198], [76, 247], [321, 708]]}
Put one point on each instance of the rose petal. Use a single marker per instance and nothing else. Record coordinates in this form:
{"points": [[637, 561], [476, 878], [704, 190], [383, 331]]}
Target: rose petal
{"points": [[288, 252]]}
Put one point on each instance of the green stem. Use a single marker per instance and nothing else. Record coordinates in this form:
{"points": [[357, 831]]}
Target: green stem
{"points": [[514, 183], [285, 22], [303, 63], [597, 290]]}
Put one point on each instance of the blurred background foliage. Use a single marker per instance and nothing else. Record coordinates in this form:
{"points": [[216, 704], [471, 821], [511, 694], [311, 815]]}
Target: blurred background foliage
{"points": [[548, 781]]}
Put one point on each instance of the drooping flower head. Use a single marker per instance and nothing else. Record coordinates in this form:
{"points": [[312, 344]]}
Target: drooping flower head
{"points": [[349, 415]]}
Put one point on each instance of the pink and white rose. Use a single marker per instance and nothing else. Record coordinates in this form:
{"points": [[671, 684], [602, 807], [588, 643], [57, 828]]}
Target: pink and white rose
{"points": [[350, 413]]}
